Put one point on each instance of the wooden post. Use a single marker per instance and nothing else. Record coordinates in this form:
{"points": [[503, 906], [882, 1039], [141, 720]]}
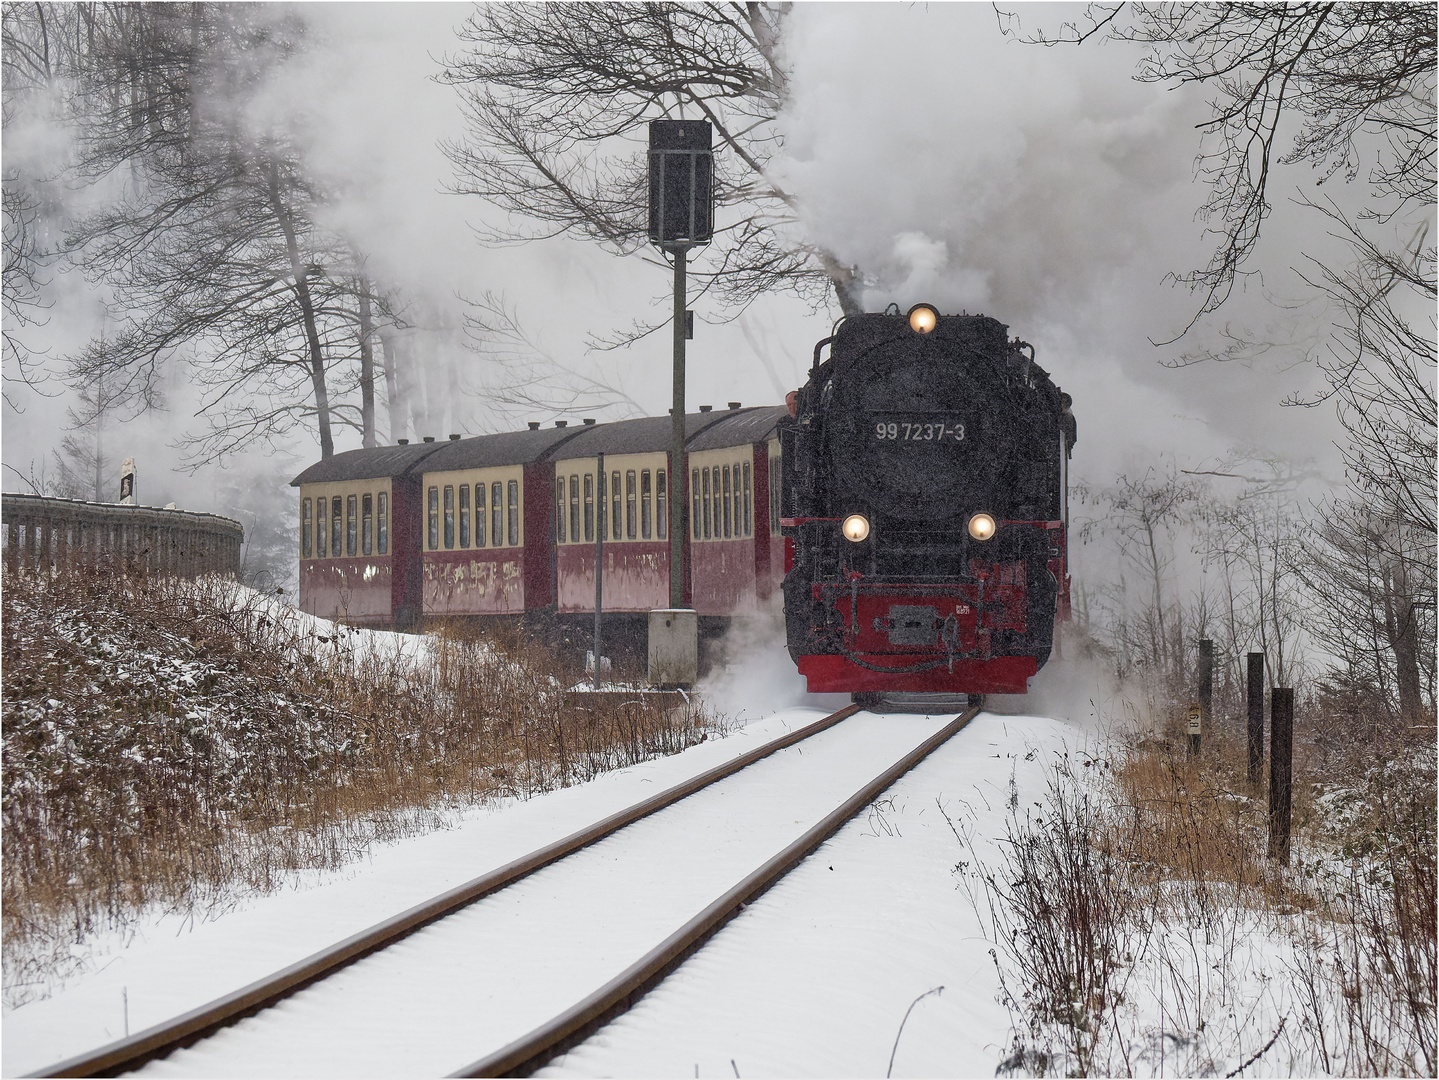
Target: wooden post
{"points": [[1281, 770], [1256, 716], [1206, 687]]}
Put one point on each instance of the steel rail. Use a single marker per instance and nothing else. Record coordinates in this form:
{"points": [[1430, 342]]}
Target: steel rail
{"points": [[531, 1052], [125, 1055]]}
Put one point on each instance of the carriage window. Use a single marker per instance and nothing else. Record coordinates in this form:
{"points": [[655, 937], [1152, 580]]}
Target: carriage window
{"points": [[715, 498], [738, 501], [728, 518], [464, 515], [574, 509], [662, 506], [600, 511], [559, 509], [514, 517], [449, 516], [322, 528], [748, 522], [434, 530], [632, 506], [351, 533], [384, 530], [497, 514], [696, 518], [646, 506], [590, 507], [479, 515], [708, 502], [367, 525], [337, 525], [616, 506], [307, 526]]}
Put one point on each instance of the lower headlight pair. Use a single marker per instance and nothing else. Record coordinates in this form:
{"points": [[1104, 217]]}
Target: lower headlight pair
{"points": [[856, 527]]}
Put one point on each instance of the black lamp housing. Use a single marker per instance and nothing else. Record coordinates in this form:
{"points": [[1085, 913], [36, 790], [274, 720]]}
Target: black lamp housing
{"points": [[681, 183]]}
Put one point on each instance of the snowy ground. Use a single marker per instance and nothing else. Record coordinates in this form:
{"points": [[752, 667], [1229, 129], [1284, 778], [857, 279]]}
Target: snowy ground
{"points": [[812, 980], [816, 978]]}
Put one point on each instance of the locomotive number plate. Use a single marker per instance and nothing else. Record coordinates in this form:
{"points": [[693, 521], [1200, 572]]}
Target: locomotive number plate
{"points": [[918, 429]]}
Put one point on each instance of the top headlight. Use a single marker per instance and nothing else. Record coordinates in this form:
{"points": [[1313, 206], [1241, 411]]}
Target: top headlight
{"points": [[923, 318]]}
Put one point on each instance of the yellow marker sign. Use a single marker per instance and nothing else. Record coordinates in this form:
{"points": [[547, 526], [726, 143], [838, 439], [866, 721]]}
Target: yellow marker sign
{"points": [[1193, 712]]}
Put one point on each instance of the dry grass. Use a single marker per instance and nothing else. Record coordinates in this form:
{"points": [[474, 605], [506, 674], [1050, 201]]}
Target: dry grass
{"points": [[174, 744], [1144, 930]]}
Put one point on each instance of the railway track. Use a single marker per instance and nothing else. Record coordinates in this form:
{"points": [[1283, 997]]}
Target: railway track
{"points": [[246, 1017]]}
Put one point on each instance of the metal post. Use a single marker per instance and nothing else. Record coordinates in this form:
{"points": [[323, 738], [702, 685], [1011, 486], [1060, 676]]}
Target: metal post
{"points": [[678, 474], [1256, 716], [1281, 770], [602, 513]]}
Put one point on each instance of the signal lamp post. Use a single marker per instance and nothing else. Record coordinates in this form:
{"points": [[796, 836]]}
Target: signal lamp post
{"points": [[681, 217], [681, 189]]}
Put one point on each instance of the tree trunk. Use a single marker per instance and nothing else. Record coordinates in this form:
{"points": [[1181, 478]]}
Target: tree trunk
{"points": [[367, 366], [1402, 629], [394, 407], [307, 310], [847, 289]]}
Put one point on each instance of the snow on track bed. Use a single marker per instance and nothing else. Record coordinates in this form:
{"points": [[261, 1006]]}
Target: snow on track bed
{"points": [[492, 972], [168, 964], [814, 978]]}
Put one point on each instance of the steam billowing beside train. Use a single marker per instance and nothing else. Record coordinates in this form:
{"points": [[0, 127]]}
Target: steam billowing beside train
{"points": [[924, 475]]}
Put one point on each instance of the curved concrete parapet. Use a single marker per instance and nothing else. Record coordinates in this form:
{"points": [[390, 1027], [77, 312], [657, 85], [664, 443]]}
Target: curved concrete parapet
{"points": [[42, 533]]}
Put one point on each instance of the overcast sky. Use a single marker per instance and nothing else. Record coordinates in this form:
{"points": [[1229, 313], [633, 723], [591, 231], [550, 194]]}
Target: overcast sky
{"points": [[1041, 186]]}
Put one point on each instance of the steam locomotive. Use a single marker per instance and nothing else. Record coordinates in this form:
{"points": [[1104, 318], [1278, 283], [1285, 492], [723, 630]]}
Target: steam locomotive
{"points": [[924, 470]]}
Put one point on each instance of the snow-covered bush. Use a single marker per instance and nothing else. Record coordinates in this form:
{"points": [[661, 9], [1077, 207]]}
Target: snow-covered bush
{"points": [[170, 742]]}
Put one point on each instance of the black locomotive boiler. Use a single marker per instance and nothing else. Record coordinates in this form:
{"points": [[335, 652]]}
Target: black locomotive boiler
{"points": [[924, 474]]}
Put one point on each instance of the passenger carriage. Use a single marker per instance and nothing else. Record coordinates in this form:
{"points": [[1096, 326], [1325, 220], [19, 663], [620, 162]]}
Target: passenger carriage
{"points": [[359, 521], [506, 524]]}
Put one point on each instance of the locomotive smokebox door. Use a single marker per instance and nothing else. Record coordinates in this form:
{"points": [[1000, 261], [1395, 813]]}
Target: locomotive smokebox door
{"points": [[681, 183]]}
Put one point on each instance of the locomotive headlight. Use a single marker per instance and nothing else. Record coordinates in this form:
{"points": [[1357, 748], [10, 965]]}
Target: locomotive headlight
{"points": [[981, 526], [855, 527], [923, 318]]}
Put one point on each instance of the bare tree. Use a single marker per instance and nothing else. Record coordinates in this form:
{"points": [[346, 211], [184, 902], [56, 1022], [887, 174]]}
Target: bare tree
{"points": [[556, 94], [212, 250], [519, 376], [1380, 368], [28, 62], [1371, 558], [1357, 80], [1142, 517]]}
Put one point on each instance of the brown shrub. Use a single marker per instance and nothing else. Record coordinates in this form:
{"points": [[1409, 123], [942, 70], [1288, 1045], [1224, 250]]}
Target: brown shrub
{"points": [[166, 743]]}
